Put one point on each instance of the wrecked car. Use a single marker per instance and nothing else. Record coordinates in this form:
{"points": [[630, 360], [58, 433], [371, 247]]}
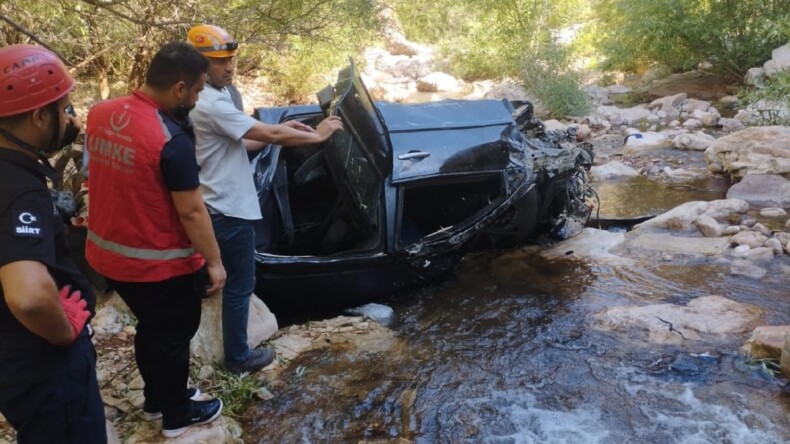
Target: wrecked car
{"points": [[392, 202]]}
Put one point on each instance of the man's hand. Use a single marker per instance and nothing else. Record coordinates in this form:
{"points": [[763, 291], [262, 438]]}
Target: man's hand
{"points": [[299, 126], [328, 126], [74, 307], [216, 276]]}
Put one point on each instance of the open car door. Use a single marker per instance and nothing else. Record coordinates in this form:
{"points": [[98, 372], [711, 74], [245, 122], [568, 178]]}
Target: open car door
{"points": [[358, 158]]}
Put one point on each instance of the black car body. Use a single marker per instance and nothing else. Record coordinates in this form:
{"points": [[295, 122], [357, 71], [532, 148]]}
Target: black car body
{"points": [[393, 201]]}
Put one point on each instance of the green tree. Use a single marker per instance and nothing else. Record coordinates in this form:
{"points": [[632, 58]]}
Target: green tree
{"points": [[732, 34]]}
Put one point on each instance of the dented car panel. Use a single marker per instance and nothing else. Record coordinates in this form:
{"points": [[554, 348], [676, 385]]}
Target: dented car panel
{"points": [[392, 203]]}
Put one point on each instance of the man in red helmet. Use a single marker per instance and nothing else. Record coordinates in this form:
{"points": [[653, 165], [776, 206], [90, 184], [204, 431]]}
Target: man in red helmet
{"points": [[48, 388], [224, 136]]}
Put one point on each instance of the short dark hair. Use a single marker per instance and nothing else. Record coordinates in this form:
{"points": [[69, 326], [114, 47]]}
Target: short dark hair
{"points": [[173, 63]]}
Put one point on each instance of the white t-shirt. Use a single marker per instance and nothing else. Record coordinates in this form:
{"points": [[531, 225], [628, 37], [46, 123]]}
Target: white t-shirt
{"points": [[225, 176]]}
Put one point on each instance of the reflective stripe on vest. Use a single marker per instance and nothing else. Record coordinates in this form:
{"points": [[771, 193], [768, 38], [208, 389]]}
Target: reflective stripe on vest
{"points": [[140, 253]]}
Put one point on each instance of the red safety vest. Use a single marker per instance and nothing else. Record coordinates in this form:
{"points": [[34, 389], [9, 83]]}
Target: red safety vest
{"points": [[134, 233]]}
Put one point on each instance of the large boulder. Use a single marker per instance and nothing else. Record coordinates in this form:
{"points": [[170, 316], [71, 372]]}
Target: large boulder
{"points": [[780, 61], [762, 190], [207, 343], [757, 150], [684, 217]]}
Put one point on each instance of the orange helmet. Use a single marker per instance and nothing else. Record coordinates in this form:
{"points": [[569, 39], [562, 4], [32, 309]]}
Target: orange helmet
{"points": [[30, 77], [212, 41]]}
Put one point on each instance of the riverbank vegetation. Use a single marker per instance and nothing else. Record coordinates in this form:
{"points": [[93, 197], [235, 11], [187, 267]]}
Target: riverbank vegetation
{"points": [[294, 46]]}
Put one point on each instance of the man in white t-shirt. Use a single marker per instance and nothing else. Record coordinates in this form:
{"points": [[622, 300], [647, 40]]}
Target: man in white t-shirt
{"points": [[224, 135]]}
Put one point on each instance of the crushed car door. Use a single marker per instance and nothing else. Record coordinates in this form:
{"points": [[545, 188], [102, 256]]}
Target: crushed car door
{"points": [[359, 157]]}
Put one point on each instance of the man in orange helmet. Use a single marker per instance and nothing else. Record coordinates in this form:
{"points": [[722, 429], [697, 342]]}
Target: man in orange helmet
{"points": [[224, 136], [48, 388]]}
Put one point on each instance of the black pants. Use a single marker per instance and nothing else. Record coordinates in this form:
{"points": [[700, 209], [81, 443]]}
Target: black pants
{"points": [[168, 316], [64, 409]]}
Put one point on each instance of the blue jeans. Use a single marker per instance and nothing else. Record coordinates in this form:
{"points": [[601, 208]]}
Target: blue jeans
{"points": [[236, 239]]}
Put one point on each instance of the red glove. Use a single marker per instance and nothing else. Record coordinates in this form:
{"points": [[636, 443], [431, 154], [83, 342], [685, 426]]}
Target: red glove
{"points": [[74, 307]]}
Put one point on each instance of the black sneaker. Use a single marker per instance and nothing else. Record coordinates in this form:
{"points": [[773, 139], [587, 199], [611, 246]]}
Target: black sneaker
{"points": [[199, 412], [152, 412], [259, 358]]}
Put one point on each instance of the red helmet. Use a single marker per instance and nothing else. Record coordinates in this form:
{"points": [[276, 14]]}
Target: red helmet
{"points": [[30, 77]]}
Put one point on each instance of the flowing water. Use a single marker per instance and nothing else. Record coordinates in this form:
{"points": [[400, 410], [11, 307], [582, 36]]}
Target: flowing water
{"points": [[505, 354]]}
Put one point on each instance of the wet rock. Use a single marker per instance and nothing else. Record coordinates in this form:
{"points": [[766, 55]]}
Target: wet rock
{"points": [[703, 318], [742, 267], [668, 243], [590, 244], [766, 342]]}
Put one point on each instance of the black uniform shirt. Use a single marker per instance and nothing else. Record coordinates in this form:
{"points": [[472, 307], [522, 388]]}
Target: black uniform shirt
{"points": [[31, 230]]}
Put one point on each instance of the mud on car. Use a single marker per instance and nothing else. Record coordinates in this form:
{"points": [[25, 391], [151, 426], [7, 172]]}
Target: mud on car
{"points": [[392, 202]]}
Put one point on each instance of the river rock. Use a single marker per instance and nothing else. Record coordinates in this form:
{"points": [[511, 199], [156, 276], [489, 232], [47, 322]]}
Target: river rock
{"points": [[698, 141], [775, 245], [782, 236], [743, 267], [762, 190], [682, 217], [592, 244], [773, 212], [759, 254], [704, 318], [766, 341], [751, 238], [756, 150], [612, 169], [439, 81], [708, 226], [784, 361], [668, 243]]}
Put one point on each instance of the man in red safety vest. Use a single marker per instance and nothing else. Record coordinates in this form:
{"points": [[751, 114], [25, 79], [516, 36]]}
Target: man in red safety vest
{"points": [[149, 232]]}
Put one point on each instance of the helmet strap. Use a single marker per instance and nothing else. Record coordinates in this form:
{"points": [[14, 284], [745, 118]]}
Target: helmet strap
{"points": [[42, 155]]}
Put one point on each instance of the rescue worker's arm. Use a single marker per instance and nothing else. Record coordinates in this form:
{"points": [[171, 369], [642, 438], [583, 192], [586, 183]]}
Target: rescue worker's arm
{"points": [[254, 145], [289, 135], [196, 222], [32, 297]]}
